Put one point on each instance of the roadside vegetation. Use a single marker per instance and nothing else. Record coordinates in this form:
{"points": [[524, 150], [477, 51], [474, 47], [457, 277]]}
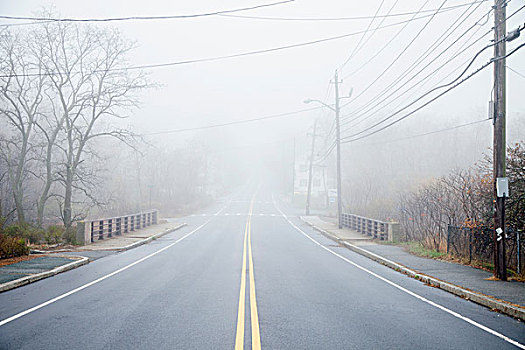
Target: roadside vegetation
{"points": [[18, 238], [451, 217], [67, 150]]}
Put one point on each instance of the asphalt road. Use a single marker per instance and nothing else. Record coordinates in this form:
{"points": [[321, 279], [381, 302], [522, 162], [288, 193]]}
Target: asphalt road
{"points": [[299, 290]]}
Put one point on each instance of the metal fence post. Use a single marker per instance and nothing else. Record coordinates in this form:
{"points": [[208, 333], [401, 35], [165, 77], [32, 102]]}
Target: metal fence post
{"points": [[101, 229], [518, 270], [470, 245], [110, 228], [448, 238]]}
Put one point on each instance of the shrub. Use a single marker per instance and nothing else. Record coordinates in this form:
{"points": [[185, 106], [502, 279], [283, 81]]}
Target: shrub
{"points": [[26, 231], [12, 246], [70, 236], [54, 234]]}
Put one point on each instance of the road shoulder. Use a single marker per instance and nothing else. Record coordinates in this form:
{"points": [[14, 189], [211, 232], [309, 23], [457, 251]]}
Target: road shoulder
{"points": [[481, 298], [54, 262]]}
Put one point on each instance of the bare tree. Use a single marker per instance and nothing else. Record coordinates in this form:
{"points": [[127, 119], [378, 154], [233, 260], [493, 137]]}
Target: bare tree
{"points": [[91, 84], [63, 86], [21, 96]]}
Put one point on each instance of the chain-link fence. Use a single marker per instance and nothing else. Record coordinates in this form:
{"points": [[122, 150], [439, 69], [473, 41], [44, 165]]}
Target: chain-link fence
{"points": [[478, 244]]}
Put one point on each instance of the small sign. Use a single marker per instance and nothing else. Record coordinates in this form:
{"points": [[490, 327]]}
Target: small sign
{"points": [[502, 187]]}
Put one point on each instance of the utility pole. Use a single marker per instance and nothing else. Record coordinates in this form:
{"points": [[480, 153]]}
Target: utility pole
{"points": [[309, 194], [338, 142], [499, 146], [293, 172]]}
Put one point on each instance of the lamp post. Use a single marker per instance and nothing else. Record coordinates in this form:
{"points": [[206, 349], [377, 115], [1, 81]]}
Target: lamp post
{"points": [[338, 143]]}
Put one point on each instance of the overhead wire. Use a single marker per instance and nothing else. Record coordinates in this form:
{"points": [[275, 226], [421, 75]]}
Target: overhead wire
{"points": [[427, 93], [399, 55], [356, 47], [244, 121], [516, 72], [430, 132], [384, 94], [224, 57], [461, 50], [368, 39], [349, 139], [424, 79], [135, 18], [326, 154], [354, 18]]}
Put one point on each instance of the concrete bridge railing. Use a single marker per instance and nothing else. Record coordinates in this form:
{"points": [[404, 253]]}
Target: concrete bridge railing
{"points": [[375, 228], [90, 231]]}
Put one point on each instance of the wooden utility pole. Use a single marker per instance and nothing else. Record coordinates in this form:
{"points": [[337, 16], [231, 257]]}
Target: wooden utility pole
{"points": [[293, 172], [309, 193], [338, 142], [499, 146]]}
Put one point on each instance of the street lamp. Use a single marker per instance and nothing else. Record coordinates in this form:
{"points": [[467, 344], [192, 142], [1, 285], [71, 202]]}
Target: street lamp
{"points": [[321, 102], [338, 143]]}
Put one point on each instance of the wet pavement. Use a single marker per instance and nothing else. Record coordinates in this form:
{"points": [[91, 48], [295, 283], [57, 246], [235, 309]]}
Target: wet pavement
{"points": [[31, 267]]}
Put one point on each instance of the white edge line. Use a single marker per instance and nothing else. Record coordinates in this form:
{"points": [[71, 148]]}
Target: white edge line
{"points": [[453, 313], [62, 296]]}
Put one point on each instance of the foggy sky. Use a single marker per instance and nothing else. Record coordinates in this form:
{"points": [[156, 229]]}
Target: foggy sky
{"points": [[254, 86]]}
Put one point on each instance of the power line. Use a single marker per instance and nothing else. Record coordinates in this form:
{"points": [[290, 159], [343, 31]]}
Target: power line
{"points": [[382, 97], [134, 18], [433, 99], [460, 50], [423, 79], [326, 154], [354, 51], [354, 18], [425, 94], [217, 58], [429, 133], [273, 116], [435, 71], [516, 72], [377, 53], [399, 55]]}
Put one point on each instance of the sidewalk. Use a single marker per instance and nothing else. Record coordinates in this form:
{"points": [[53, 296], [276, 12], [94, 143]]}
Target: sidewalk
{"points": [[50, 263], [132, 239], [459, 279]]}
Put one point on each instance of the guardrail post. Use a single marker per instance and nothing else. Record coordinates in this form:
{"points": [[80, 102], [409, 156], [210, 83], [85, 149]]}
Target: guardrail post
{"points": [[110, 228], [118, 224], [101, 229], [394, 231], [83, 235]]}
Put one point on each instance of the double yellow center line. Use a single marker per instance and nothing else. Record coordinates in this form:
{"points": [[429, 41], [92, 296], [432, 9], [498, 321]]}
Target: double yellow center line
{"points": [[256, 336]]}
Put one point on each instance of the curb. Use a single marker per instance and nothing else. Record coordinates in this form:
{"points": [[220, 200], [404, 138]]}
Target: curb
{"points": [[485, 300], [141, 242], [73, 265], [149, 239], [36, 277]]}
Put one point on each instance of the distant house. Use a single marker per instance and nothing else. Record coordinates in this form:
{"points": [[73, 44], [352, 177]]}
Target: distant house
{"points": [[319, 194]]}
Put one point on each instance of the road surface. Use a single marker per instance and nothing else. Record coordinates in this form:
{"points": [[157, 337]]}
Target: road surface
{"points": [[244, 274]]}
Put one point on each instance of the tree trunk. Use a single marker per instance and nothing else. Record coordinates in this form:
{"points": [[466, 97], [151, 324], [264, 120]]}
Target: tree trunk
{"points": [[67, 218]]}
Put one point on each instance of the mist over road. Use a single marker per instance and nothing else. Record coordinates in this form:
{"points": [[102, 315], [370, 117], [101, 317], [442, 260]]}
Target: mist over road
{"points": [[249, 256]]}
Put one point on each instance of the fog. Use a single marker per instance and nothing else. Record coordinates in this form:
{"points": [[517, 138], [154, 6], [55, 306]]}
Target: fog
{"points": [[204, 129]]}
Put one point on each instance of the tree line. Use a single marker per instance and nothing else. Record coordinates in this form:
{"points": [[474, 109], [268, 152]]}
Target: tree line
{"points": [[455, 212], [62, 88]]}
